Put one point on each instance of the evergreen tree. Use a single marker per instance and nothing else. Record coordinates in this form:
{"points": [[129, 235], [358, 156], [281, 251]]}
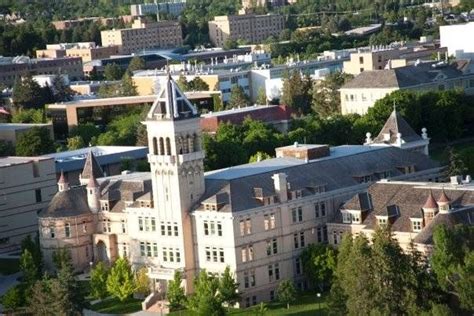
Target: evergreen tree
{"points": [[12, 299], [286, 292], [137, 63], [217, 103], [29, 116], [175, 293], [6, 148], [112, 72], [27, 93], [228, 288], [62, 258], [120, 282], [127, 86], [34, 142], [61, 91], [98, 282], [197, 84], [67, 291], [42, 301], [262, 96], [296, 92], [238, 98], [33, 246], [326, 99], [182, 83], [28, 267], [456, 166]]}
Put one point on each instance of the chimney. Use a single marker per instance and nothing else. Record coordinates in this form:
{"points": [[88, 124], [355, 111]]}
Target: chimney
{"points": [[280, 184]]}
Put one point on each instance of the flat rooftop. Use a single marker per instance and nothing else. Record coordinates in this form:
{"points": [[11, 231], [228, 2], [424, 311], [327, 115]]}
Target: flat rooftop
{"points": [[20, 126], [11, 161], [75, 159], [275, 164], [238, 110]]}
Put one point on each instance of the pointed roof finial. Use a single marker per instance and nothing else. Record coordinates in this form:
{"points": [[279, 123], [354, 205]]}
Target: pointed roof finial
{"points": [[62, 178], [444, 198], [430, 202], [91, 167]]}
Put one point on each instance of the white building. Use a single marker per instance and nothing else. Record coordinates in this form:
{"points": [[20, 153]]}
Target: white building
{"points": [[458, 39], [255, 218]]}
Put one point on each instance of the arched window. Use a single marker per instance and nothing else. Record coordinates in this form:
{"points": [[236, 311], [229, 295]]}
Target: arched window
{"points": [[168, 146], [155, 146], [67, 230], [190, 143], [196, 143], [162, 147]]}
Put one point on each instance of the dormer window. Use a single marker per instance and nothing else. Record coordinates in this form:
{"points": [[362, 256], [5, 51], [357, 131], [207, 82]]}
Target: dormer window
{"points": [[416, 225], [346, 217], [382, 220], [104, 206]]}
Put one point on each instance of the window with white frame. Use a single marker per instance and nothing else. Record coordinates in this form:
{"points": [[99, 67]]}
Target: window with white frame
{"points": [[247, 253], [269, 221], [346, 217], [106, 225], [416, 225], [212, 228], [148, 249], [273, 272], [245, 227], [67, 230], [272, 247], [171, 254], [249, 278], [320, 209], [297, 214], [215, 254]]}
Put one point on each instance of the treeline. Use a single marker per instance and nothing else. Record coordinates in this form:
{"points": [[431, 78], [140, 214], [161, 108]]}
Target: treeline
{"points": [[375, 276], [447, 115]]}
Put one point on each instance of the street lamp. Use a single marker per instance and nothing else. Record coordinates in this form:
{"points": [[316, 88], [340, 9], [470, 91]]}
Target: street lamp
{"points": [[319, 302]]}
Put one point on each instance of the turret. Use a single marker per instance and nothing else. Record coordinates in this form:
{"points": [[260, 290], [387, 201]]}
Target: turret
{"points": [[63, 184], [430, 208], [93, 195], [444, 203], [91, 169]]}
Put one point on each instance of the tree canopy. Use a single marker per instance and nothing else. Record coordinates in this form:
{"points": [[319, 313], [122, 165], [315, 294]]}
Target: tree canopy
{"points": [[34, 142]]}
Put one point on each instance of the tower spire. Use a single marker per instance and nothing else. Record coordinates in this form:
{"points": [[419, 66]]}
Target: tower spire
{"points": [[63, 184]]}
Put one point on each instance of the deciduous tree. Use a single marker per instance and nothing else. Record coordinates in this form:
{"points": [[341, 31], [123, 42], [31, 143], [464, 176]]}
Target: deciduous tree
{"points": [[120, 282], [286, 292], [228, 288], [34, 142], [98, 284], [175, 293]]}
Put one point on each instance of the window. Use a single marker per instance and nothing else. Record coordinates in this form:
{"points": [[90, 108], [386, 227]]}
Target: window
{"points": [[323, 209], [297, 214], [382, 221], [124, 250], [355, 217], [140, 224], [163, 230], [245, 227], [320, 234], [272, 295], [298, 266], [67, 230], [325, 233], [244, 254], [249, 278], [124, 228], [142, 249], [361, 69], [52, 232], [361, 60], [247, 253], [38, 195], [84, 227], [298, 240], [346, 217], [214, 254], [335, 237], [269, 221], [273, 272], [212, 228], [106, 226], [272, 247], [416, 226]]}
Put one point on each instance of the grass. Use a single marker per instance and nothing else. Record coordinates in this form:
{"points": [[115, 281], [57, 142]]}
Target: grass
{"points": [[114, 306], [305, 305], [9, 266]]}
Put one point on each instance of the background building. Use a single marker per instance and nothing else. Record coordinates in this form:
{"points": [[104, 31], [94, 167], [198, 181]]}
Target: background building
{"points": [[250, 28], [11, 131], [27, 185], [111, 159], [455, 39], [364, 90], [143, 35], [87, 51], [169, 7], [14, 67]]}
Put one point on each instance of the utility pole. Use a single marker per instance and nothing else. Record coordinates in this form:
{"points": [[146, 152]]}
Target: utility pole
{"points": [[157, 11]]}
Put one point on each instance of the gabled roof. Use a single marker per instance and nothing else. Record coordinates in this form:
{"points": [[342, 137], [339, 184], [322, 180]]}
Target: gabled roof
{"points": [[334, 172], [171, 103], [396, 124], [91, 167]]}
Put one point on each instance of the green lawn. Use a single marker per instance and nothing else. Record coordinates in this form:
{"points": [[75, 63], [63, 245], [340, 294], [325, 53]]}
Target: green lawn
{"points": [[9, 266], [114, 306], [305, 305]]}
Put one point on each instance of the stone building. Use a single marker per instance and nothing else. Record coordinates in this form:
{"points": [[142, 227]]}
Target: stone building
{"points": [[412, 209], [255, 218]]}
